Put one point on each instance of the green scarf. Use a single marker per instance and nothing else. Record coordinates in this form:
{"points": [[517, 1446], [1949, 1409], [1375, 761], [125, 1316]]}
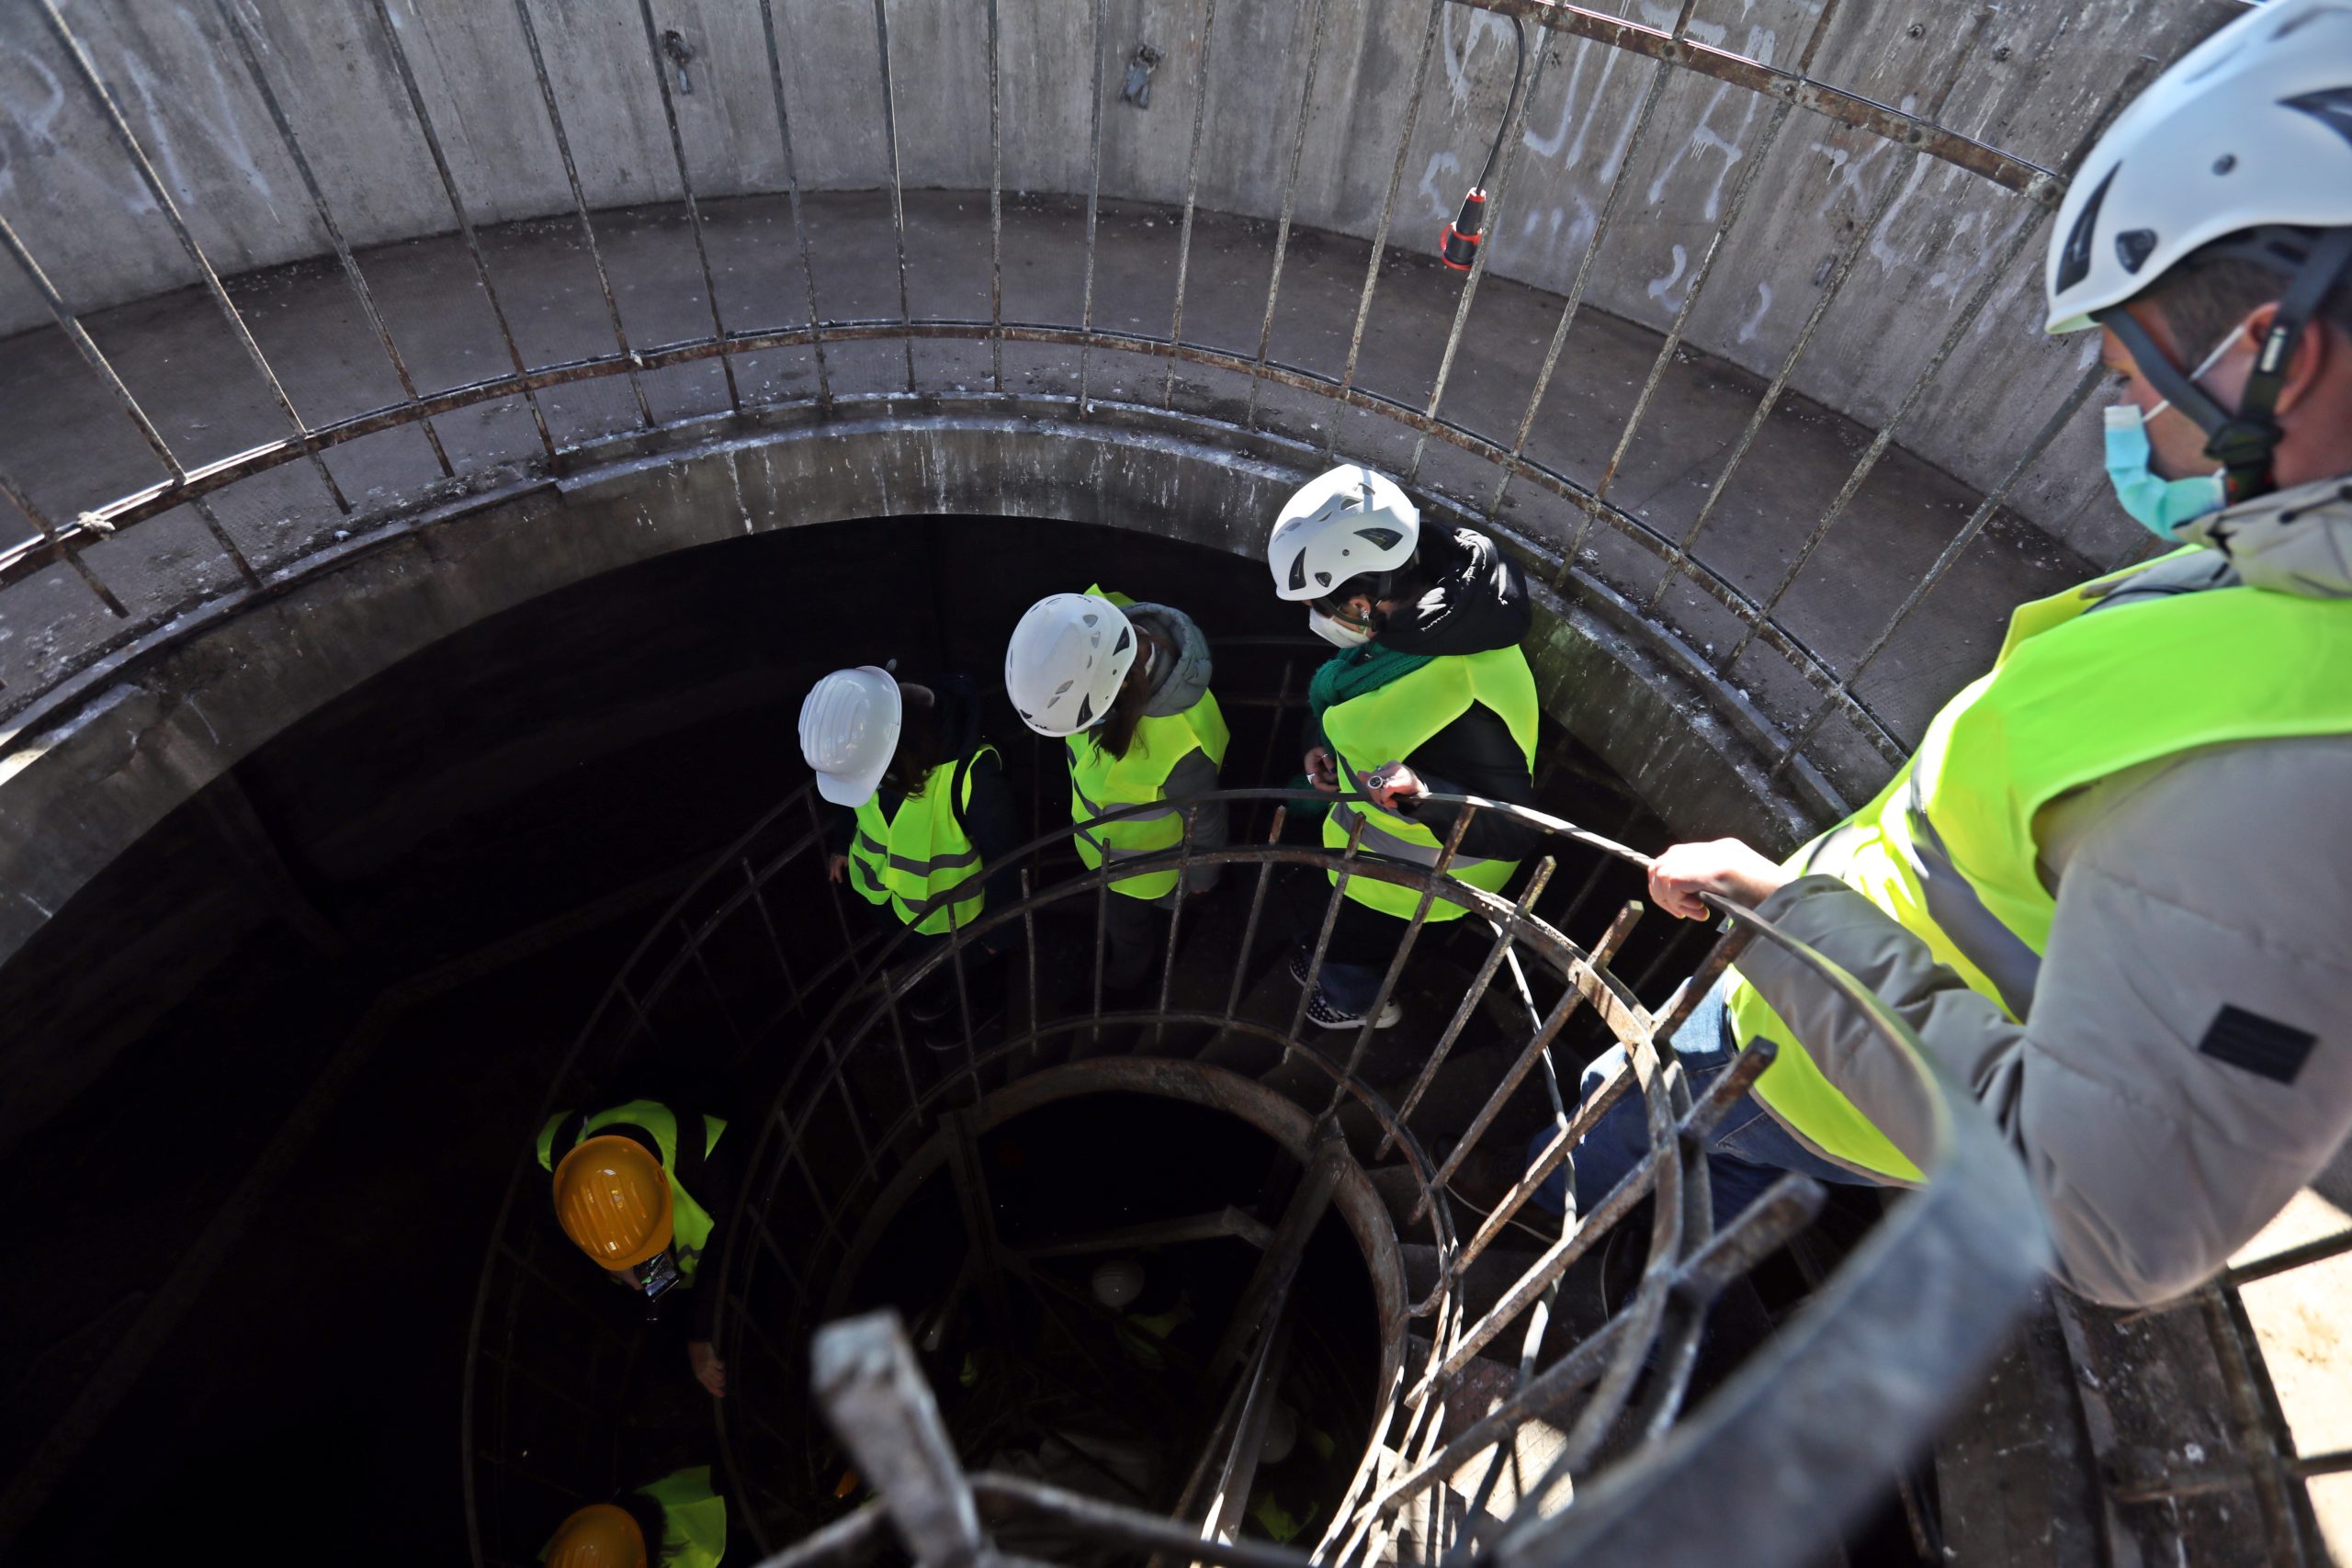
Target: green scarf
{"points": [[1350, 674]]}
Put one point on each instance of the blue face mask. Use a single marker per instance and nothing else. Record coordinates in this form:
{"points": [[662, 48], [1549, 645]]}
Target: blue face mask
{"points": [[2160, 504]]}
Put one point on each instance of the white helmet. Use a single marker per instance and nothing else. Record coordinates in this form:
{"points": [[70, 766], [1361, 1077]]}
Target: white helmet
{"points": [[1282, 1434], [1349, 522], [1117, 1282], [849, 730], [2246, 138], [1067, 661], [2251, 128]]}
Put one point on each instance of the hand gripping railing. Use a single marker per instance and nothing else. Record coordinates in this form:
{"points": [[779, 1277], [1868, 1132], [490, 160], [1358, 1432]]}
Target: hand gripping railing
{"points": [[1802, 1435]]}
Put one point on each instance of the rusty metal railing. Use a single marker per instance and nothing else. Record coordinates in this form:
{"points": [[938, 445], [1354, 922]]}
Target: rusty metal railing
{"points": [[1913, 135], [863, 1116]]}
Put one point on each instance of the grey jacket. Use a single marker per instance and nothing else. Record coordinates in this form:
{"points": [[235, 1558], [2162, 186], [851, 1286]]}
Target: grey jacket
{"points": [[2186, 1064], [1184, 681]]}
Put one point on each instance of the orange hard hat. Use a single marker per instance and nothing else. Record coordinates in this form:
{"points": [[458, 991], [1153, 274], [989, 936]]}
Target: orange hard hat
{"points": [[598, 1536], [613, 1199]]}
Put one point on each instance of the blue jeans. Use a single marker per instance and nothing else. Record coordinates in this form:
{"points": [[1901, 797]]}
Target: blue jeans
{"points": [[1746, 1152]]}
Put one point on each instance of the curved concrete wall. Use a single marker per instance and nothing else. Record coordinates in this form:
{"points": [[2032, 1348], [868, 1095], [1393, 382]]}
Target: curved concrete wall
{"points": [[2032, 83], [146, 729]]}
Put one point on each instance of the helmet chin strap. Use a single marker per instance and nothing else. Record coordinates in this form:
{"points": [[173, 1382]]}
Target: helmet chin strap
{"points": [[2242, 442]]}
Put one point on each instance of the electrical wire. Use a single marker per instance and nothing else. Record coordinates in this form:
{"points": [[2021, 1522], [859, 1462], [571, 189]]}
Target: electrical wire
{"points": [[1510, 108]]}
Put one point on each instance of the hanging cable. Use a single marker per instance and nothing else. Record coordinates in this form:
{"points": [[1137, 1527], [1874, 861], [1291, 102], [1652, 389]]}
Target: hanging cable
{"points": [[1458, 247]]}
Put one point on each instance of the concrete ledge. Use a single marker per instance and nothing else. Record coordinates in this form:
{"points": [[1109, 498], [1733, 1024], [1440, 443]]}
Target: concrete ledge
{"points": [[107, 755]]}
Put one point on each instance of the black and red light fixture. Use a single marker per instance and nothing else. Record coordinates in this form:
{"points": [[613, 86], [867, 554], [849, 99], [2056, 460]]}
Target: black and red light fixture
{"points": [[1458, 245]]}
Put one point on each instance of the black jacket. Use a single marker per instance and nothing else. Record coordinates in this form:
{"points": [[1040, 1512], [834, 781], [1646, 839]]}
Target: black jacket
{"points": [[1479, 602]]}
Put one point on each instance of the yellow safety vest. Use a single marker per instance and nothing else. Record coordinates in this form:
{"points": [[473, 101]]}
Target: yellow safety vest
{"points": [[921, 851], [1100, 782], [694, 1520], [1948, 848], [690, 1222], [1391, 723]]}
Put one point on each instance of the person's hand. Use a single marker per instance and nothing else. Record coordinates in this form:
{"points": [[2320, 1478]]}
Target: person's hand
{"points": [[1323, 769], [709, 1371], [1725, 867], [1394, 787], [834, 865]]}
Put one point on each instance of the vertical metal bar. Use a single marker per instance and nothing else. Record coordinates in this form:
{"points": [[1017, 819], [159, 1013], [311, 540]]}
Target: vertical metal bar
{"points": [[1832, 285], [2082, 393], [1101, 938], [776, 941], [236, 28], [88, 71], [970, 1179], [996, 218], [1994, 277], [1755, 160], [1175, 923], [1575, 300], [1250, 926], [1192, 194], [580, 206], [84, 346], [1290, 204], [458, 210], [1433, 880], [1548, 1031], [1262, 1298], [1516, 136], [1093, 210], [1239, 1472], [898, 188], [1471, 997], [104, 369], [963, 996], [1693, 989], [693, 208], [876, 1399], [792, 192], [1387, 215], [725, 1013], [1323, 937], [58, 548], [1029, 947]]}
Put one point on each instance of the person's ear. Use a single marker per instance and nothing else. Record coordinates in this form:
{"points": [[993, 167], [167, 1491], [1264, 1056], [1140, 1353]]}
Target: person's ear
{"points": [[1360, 605], [2307, 364]]}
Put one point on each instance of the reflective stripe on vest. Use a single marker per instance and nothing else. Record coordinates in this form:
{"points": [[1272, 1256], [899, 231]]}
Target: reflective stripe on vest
{"points": [[1100, 782], [694, 1520], [920, 852], [1948, 847], [1393, 722], [690, 1222]]}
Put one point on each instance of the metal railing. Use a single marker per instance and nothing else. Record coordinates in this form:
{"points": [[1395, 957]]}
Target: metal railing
{"points": [[1913, 136], [1832, 1400]]}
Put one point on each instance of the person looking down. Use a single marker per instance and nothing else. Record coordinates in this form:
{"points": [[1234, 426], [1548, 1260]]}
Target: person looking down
{"points": [[1431, 694], [2112, 891], [922, 803], [1127, 686]]}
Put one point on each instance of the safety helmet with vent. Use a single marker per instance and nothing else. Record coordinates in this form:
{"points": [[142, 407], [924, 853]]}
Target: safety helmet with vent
{"points": [[598, 1536], [1349, 522], [849, 732], [2246, 139], [1117, 1283], [612, 1197], [1067, 661]]}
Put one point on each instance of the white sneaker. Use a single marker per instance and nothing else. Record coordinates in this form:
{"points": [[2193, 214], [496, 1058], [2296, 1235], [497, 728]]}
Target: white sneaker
{"points": [[1321, 1009]]}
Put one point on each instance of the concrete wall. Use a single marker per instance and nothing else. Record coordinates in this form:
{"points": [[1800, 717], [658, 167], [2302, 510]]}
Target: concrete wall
{"points": [[133, 738], [2029, 79]]}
